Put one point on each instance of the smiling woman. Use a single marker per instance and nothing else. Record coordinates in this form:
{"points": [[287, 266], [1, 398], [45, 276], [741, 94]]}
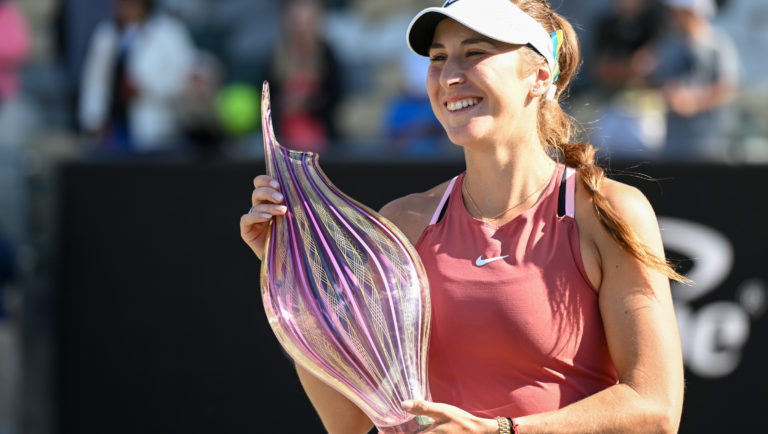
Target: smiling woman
{"points": [[551, 309], [476, 85]]}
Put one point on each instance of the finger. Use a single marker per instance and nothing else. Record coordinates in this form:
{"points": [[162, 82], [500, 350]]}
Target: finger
{"points": [[265, 181], [434, 410], [266, 194], [251, 220], [248, 221], [267, 211]]}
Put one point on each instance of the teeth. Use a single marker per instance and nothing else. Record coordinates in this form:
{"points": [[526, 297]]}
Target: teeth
{"points": [[458, 105]]}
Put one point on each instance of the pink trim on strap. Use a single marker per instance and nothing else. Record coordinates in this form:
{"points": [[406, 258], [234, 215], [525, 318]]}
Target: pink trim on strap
{"points": [[570, 191], [442, 201]]}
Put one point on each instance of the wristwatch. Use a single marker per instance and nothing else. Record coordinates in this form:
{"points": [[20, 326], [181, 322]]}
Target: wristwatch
{"points": [[504, 425]]}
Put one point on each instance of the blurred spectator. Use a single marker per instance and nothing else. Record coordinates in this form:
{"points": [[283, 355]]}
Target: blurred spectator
{"points": [[410, 125], [623, 42], [631, 124], [304, 79], [137, 66], [14, 48], [8, 342], [198, 117], [7, 270], [698, 72], [241, 33]]}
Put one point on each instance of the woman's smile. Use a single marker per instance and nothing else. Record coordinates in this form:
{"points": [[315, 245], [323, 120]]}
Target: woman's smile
{"points": [[462, 105]]}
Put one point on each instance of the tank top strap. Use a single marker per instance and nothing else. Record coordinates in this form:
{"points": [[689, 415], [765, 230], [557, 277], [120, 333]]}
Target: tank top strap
{"points": [[567, 193], [440, 210]]}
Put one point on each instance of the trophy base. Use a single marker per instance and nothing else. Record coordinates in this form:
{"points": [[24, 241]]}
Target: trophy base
{"points": [[415, 425]]}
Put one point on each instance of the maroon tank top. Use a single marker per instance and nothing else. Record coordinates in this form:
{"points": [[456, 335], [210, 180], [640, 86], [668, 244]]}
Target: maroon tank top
{"points": [[516, 328]]}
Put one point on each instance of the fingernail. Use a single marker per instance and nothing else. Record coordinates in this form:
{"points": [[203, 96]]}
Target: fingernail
{"points": [[406, 405], [281, 208], [274, 184], [277, 196]]}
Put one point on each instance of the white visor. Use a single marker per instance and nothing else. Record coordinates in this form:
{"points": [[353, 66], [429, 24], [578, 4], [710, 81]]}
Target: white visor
{"points": [[500, 20]]}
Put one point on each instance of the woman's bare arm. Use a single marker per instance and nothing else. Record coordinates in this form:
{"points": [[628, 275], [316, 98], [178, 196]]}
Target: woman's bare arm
{"points": [[338, 414], [641, 332]]}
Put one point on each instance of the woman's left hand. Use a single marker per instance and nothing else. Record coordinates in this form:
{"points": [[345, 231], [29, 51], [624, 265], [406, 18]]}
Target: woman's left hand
{"points": [[450, 419]]}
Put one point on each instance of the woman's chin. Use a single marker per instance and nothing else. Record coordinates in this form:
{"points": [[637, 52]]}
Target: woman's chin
{"points": [[465, 138]]}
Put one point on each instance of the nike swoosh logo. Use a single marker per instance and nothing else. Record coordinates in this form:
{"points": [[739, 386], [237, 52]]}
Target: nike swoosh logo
{"points": [[480, 261]]}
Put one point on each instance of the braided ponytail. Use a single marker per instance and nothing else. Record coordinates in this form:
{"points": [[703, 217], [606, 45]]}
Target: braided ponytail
{"points": [[556, 130]]}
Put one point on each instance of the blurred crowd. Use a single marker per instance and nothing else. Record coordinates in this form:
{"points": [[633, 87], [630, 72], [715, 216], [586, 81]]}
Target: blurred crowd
{"points": [[662, 80]]}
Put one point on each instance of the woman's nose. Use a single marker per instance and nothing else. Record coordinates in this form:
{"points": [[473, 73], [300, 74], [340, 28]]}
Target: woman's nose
{"points": [[452, 74]]}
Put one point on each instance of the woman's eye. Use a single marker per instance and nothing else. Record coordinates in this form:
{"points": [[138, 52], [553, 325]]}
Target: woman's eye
{"points": [[474, 53], [437, 58]]}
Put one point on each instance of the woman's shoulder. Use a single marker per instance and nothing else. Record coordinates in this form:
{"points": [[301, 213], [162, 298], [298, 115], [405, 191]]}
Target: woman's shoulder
{"points": [[624, 205], [412, 213], [626, 201]]}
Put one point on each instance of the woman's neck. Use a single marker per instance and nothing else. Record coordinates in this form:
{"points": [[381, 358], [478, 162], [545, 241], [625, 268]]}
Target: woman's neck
{"points": [[503, 181]]}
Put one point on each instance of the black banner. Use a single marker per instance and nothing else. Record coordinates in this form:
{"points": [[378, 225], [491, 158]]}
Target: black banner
{"points": [[161, 327]]}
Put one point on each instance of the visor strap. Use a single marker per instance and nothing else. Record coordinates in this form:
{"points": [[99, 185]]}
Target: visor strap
{"points": [[557, 43], [552, 91]]}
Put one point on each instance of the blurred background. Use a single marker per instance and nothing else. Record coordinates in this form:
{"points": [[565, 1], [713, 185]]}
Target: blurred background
{"points": [[130, 133]]}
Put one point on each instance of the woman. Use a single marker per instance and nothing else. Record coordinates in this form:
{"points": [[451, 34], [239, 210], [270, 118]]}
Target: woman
{"points": [[136, 68], [697, 71], [305, 79], [551, 303]]}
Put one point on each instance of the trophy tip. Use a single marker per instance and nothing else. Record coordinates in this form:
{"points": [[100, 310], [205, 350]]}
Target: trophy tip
{"points": [[270, 142]]}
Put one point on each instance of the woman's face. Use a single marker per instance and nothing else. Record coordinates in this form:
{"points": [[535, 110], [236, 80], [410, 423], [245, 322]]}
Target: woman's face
{"points": [[477, 86]]}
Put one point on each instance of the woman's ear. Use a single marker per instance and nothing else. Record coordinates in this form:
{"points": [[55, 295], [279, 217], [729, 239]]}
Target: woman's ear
{"points": [[542, 79]]}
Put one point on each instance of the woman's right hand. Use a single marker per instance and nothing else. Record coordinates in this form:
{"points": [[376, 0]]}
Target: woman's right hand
{"points": [[266, 200]]}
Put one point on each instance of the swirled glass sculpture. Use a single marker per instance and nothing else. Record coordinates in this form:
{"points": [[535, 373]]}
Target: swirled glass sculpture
{"points": [[344, 291]]}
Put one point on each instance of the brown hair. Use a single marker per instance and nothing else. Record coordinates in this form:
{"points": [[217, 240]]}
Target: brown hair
{"points": [[556, 129]]}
